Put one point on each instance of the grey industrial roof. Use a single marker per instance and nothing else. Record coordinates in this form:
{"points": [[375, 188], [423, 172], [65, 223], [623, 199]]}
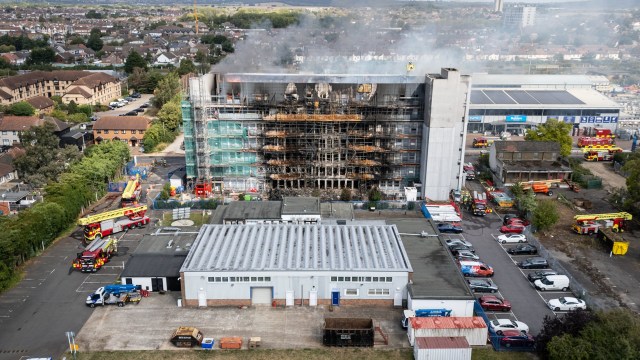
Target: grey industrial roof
{"points": [[300, 206], [255, 210], [435, 275], [524, 97], [13, 196], [155, 265], [336, 210], [283, 247], [326, 78], [168, 241], [523, 80]]}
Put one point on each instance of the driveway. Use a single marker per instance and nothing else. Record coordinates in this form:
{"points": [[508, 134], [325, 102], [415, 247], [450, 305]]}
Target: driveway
{"points": [[604, 170]]}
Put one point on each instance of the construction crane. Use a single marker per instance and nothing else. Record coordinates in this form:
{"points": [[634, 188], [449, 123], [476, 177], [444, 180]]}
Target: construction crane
{"points": [[195, 15], [113, 214]]}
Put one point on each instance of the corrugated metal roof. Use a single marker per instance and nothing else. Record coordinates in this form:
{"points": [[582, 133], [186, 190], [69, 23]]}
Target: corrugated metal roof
{"points": [[282, 247], [454, 322], [448, 342]]}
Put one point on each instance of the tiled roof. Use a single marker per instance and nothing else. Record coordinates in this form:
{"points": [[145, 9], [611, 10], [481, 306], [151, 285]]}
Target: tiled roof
{"points": [[40, 102], [18, 123], [78, 90], [15, 82], [121, 123], [95, 80]]}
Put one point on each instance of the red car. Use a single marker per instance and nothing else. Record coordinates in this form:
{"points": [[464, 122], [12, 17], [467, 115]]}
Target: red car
{"points": [[494, 303], [517, 339], [512, 229], [517, 221]]}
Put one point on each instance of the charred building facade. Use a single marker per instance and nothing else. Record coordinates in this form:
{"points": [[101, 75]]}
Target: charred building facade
{"points": [[250, 132]]}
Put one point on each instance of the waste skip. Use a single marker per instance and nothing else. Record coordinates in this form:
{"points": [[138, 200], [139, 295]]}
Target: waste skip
{"points": [[348, 332]]}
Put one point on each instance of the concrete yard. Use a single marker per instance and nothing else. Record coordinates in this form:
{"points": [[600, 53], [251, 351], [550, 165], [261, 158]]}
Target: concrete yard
{"points": [[149, 325]]}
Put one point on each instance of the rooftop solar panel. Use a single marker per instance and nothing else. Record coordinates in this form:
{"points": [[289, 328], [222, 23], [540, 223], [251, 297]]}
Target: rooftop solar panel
{"points": [[498, 97], [555, 97], [478, 97], [522, 97]]}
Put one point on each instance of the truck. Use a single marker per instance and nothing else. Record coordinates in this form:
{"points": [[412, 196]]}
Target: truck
{"points": [[604, 133], [114, 221], [407, 314], [480, 142], [132, 191], [603, 155], [120, 296], [95, 255], [475, 269], [594, 142], [469, 171], [479, 205], [591, 223]]}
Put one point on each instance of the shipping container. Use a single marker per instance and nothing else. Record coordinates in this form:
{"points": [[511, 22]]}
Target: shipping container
{"points": [[348, 332], [474, 329], [231, 343], [441, 348]]}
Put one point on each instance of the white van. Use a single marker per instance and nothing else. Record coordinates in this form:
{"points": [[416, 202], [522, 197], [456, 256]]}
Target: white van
{"points": [[552, 282]]}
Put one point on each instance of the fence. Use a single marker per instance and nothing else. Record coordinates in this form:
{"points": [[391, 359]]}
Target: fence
{"points": [[200, 204], [116, 186]]}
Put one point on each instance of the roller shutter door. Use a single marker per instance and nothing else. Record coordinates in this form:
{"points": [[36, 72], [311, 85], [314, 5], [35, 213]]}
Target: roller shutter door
{"points": [[261, 296]]}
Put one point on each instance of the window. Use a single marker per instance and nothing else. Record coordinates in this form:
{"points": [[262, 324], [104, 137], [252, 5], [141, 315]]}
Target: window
{"points": [[124, 131], [218, 279], [254, 279], [378, 292], [347, 278], [232, 279], [115, 131], [246, 279], [367, 279], [375, 279], [334, 278], [389, 279], [351, 292], [340, 278], [267, 278], [4, 133], [225, 279], [106, 131]]}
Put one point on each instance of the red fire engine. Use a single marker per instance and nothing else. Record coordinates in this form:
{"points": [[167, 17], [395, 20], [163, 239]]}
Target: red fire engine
{"points": [[131, 194], [107, 223], [95, 255], [587, 224], [604, 133], [595, 142]]}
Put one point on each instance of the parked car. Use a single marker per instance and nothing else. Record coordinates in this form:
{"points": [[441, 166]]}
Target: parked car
{"points": [[139, 110], [516, 339], [537, 262], [131, 113], [494, 303], [145, 105], [482, 286], [512, 229], [449, 228], [507, 217], [515, 220], [512, 238], [451, 242], [522, 249], [130, 99], [136, 95], [501, 325], [552, 283], [459, 247], [465, 255], [566, 304], [537, 275]]}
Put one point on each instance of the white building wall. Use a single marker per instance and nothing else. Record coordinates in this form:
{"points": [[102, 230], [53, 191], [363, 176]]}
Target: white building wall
{"points": [[144, 282], [444, 133], [299, 282], [458, 307]]}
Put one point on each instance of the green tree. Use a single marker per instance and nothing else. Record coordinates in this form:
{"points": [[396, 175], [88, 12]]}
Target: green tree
{"points": [[72, 107], [134, 60], [166, 90], [76, 40], [555, 326], [545, 215], [186, 67], [526, 202], [375, 195], [203, 60], [41, 56], [171, 114], [92, 14], [632, 168], [568, 347], [95, 42], [22, 108], [345, 195], [553, 130], [165, 194], [78, 118]]}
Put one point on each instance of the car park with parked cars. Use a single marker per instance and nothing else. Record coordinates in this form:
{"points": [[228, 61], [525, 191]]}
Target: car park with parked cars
{"points": [[537, 262], [449, 228], [516, 339], [501, 325], [523, 249], [482, 285], [566, 304], [494, 303], [512, 238]]}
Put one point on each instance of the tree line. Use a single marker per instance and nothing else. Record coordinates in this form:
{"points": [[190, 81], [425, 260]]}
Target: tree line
{"points": [[83, 180]]}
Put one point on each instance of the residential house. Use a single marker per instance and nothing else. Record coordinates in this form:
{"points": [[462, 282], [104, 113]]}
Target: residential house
{"points": [[113, 59], [7, 171], [523, 161], [42, 104], [12, 126], [167, 58], [129, 129], [13, 201], [96, 88]]}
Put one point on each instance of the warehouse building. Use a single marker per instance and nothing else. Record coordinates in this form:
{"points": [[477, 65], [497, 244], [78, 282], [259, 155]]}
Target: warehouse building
{"points": [[515, 103], [249, 132], [296, 264]]}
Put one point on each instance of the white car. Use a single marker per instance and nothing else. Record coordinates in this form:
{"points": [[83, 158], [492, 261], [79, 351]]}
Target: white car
{"points": [[566, 304], [500, 325], [457, 241], [512, 238]]}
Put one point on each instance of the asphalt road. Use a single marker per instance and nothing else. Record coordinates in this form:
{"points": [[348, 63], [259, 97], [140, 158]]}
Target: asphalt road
{"points": [[528, 305], [49, 301]]}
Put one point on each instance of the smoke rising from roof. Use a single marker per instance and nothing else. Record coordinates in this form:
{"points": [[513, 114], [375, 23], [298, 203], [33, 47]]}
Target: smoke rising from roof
{"points": [[339, 45]]}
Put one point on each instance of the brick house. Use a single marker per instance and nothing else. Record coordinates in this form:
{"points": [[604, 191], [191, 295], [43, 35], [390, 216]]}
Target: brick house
{"points": [[42, 104], [129, 129]]}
